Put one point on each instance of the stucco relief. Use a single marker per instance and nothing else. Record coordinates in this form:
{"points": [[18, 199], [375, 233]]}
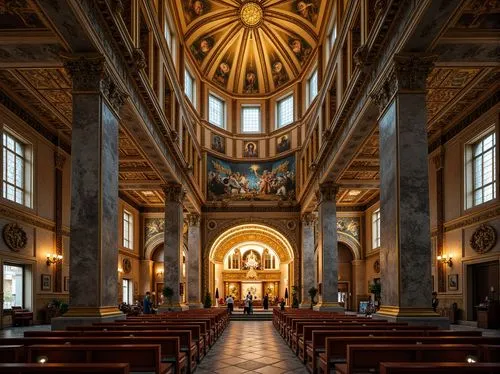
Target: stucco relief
{"points": [[14, 236], [483, 239]]}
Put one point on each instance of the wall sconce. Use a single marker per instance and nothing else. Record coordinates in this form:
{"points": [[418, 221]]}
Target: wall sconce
{"points": [[445, 259], [120, 270], [53, 258], [159, 274]]}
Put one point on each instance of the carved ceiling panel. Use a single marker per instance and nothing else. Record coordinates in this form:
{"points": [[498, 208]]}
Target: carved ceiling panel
{"points": [[251, 46]]}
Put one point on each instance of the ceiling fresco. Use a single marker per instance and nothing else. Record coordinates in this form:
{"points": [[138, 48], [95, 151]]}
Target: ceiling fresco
{"points": [[251, 47]]}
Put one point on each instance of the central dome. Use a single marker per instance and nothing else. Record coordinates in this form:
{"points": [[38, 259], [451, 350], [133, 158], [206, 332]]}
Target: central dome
{"points": [[251, 47], [251, 14]]}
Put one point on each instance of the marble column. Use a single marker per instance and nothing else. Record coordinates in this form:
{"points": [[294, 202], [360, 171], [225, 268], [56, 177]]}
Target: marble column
{"points": [[172, 247], [359, 282], [438, 161], [59, 161], [308, 260], [404, 193], [328, 248], [194, 263], [94, 193]]}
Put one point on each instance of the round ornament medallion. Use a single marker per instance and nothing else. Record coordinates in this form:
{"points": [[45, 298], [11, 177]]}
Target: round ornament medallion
{"points": [[212, 225], [127, 265], [14, 236], [483, 239], [251, 14]]}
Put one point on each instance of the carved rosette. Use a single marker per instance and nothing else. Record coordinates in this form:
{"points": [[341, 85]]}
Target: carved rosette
{"points": [[309, 219], [174, 192], [483, 239], [328, 192], [194, 219], [139, 59], [15, 237], [86, 72]]}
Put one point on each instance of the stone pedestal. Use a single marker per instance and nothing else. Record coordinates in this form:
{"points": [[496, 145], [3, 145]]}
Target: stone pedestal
{"points": [[405, 255], [194, 263], [172, 263], [328, 249], [94, 194], [308, 262]]}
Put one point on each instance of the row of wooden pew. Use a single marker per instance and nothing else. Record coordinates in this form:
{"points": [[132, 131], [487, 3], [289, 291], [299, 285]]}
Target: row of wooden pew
{"points": [[328, 342], [171, 343]]}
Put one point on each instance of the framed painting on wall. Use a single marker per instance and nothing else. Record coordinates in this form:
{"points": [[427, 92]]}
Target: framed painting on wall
{"points": [[46, 282], [453, 282]]}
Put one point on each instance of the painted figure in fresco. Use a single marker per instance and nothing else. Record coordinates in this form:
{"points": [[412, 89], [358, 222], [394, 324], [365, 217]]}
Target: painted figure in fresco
{"points": [[250, 82], [218, 144], [300, 49], [283, 144], [222, 73], [279, 73], [308, 10], [250, 150], [201, 47]]}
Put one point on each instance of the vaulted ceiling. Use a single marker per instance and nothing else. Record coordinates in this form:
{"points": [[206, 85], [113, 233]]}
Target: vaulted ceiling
{"points": [[251, 47]]}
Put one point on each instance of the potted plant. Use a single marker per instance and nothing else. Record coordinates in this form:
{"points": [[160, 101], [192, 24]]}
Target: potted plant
{"points": [[208, 300], [375, 288], [313, 291], [168, 293], [295, 297]]}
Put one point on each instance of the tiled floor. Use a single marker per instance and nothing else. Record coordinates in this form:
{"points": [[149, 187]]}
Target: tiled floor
{"points": [[250, 347]]}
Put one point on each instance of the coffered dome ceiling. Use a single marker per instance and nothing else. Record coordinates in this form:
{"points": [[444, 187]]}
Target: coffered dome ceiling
{"points": [[251, 47]]}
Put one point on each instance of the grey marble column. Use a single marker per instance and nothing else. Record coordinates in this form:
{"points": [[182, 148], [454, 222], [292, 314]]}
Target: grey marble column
{"points": [[94, 192], [308, 260], [359, 282], [405, 254], [194, 262], [328, 248], [174, 221]]}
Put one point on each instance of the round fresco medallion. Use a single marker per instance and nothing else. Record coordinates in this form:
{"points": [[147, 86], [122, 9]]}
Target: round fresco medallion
{"points": [[127, 265], [14, 236], [291, 225], [483, 239], [376, 266]]}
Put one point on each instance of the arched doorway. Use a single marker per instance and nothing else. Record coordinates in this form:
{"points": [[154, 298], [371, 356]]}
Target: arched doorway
{"points": [[345, 283], [251, 258]]}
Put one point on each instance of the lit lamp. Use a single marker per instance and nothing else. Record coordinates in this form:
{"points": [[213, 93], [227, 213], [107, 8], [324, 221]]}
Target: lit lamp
{"points": [[42, 359], [120, 270], [53, 258], [445, 259]]}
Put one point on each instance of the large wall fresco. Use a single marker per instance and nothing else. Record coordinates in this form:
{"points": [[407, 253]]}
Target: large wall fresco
{"points": [[260, 181]]}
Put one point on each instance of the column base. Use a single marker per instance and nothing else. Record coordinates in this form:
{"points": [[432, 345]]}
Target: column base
{"points": [[86, 317], [164, 308], [305, 306], [195, 306], [328, 307], [413, 316]]}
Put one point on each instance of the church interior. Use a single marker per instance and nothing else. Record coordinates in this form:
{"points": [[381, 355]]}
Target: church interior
{"points": [[331, 158]]}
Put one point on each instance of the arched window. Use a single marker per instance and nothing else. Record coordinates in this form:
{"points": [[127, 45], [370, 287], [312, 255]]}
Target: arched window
{"points": [[233, 260]]}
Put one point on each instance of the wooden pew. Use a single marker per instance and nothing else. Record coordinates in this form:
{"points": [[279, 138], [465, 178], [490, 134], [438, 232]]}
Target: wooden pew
{"points": [[22, 368], [187, 345], [337, 347], [11, 353], [439, 367], [490, 352], [139, 357], [170, 346], [367, 358]]}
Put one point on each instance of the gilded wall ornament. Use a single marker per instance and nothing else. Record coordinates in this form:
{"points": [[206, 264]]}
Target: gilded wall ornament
{"points": [[14, 236], [483, 239], [127, 265], [376, 266]]}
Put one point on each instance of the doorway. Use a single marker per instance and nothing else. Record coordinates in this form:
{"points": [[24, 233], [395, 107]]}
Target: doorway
{"points": [[482, 278]]}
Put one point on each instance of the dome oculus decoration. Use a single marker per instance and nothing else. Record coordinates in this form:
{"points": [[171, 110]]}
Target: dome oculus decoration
{"points": [[252, 47]]}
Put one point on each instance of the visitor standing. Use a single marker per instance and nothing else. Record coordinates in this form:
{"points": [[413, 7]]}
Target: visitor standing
{"points": [[435, 301], [230, 304], [266, 302], [247, 306], [282, 304], [148, 304]]}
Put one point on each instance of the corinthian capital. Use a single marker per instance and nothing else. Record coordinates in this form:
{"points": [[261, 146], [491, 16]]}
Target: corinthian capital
{"points": [[411, 70], [113, 94], [174, 192], [328, 192], [85, 71], [194, 219], [309, 219]]}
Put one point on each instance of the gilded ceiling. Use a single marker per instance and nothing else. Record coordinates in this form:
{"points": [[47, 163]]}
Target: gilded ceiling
{"points": [[251, 47]]}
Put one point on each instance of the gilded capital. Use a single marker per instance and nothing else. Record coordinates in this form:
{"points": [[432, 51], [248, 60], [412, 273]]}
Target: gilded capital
{"points": [[194, 219], [174, 192], [328, 191], [59, 160], [309, 219], [85, 71]]}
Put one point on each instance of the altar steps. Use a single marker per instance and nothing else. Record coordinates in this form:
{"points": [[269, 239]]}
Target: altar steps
{"points": [[252, 317]]}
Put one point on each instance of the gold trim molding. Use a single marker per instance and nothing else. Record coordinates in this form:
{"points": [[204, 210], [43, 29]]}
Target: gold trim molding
{"points": [[92, 312], [396, 311]]}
